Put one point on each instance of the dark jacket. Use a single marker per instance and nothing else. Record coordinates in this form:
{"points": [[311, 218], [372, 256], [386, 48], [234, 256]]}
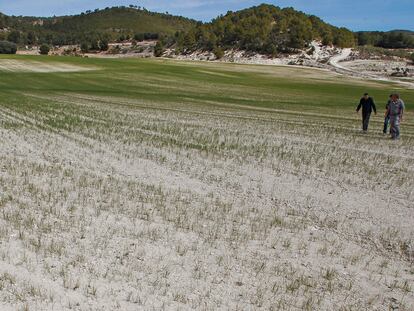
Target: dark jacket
{"points": [[367, 105], [387, 108]]}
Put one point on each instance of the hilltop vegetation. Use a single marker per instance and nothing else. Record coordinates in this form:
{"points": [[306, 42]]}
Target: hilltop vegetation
{"points": [[266, 29], [110, 24], [397, 39]]}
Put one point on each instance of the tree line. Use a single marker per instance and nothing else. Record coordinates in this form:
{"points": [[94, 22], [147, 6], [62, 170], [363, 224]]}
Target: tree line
{"points": [[264, 29], [92, 28], [388, 40]]}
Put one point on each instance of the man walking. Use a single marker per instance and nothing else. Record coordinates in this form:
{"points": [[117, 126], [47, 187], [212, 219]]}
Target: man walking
{"points": [[387, 116], [367, 104], [395, 111]]}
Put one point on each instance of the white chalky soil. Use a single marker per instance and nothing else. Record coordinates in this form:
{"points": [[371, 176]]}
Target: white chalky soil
{"points": [[14, 65], [147, 206]]}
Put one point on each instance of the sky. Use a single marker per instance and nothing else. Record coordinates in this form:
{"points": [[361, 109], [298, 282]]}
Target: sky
{"points": [[354, 14]]}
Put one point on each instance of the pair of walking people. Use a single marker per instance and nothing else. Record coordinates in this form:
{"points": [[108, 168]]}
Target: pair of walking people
{"points": [[394, 111]]}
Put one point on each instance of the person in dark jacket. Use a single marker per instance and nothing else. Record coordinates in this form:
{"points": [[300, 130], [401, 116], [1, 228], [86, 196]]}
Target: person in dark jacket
{"points": [[367, 104]]}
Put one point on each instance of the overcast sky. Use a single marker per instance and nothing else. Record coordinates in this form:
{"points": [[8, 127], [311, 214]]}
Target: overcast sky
{"points": [[354, 14]]}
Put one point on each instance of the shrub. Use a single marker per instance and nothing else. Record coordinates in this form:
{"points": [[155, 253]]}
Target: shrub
{"points": [[7, 47], [44, 49], [159, 49], [369, 51], [115, 50], [218, 52], [104, 45], [139, 37], [151, 36], [84, 47]]}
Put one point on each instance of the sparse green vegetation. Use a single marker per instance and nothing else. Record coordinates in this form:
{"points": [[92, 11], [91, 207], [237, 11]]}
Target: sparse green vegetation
{"points": [[152, 183], [368, 51]]}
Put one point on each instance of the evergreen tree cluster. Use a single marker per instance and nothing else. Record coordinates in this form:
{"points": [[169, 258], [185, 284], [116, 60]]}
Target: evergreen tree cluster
{"points": [[265, 29], [95, 28], [390, 40], [7, 47]]}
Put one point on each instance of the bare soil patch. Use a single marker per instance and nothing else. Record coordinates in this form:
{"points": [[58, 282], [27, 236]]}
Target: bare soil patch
{"points": [[13, 65]]}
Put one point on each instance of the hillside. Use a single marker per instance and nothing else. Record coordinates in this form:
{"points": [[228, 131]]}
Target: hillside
{"points": [[409, 32], [111, 23], [395, 39], [266, 29]]}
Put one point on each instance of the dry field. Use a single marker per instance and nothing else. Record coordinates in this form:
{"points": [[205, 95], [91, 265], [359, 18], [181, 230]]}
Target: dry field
{"points": [[171, 198]]}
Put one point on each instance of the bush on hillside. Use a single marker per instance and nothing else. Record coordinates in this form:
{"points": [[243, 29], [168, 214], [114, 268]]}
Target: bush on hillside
{"points": [[159, 49], [44, 49], [84, 47], [146, 36], [369, 51], [139, 37], [218, 52], [7, 47], [104, 45]]}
